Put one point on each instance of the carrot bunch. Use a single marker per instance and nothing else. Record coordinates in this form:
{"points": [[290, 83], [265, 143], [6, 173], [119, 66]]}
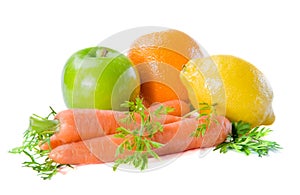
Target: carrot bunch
{"points": [[89, 136]]}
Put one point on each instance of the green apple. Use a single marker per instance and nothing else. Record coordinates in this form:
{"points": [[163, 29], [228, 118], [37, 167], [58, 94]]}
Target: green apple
{"points": [[99, 77]]}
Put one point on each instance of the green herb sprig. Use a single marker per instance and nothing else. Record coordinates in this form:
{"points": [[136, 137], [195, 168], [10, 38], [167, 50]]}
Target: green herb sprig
{"points": [[138, 140], [39, 131], [248, 140], [206, 111]]}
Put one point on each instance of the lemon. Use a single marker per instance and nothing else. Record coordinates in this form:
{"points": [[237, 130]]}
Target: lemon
{"points": [[238, 88]]}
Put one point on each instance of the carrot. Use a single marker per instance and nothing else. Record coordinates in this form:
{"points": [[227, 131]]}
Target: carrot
{"points": [[82, 124], [176, 137]]}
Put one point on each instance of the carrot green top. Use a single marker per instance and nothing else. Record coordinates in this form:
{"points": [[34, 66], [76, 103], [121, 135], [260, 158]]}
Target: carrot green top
{"points": [[138, 139], [39, 131]]}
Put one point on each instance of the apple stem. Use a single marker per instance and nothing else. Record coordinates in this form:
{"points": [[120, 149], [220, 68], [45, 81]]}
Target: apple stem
{"points": [[104, 52], [101, 52]]}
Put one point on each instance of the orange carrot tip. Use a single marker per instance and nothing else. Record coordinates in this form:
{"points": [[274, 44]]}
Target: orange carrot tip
{"points": [[39, 132]]}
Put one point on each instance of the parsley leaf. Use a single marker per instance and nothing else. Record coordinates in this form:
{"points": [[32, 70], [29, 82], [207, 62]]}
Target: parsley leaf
{"points": [[248, 140], [138, 139]]}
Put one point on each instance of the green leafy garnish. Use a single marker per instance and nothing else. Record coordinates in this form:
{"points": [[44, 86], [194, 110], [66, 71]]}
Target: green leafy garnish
{"points": [[248, 140], [138, 139], [39, 131], [207, 112]]}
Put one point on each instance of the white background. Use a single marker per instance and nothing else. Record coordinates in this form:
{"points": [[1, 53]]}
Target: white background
{"points": [[37, 37]]}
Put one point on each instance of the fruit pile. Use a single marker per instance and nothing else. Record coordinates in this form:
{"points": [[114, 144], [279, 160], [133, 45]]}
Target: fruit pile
{"points": [[163, 66], [163, 96]]}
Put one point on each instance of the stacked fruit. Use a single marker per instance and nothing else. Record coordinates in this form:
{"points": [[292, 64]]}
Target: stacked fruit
{"points": [[169, 65]]}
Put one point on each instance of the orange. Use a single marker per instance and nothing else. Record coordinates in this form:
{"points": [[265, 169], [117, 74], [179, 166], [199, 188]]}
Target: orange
{"points": [[159, 58]]}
